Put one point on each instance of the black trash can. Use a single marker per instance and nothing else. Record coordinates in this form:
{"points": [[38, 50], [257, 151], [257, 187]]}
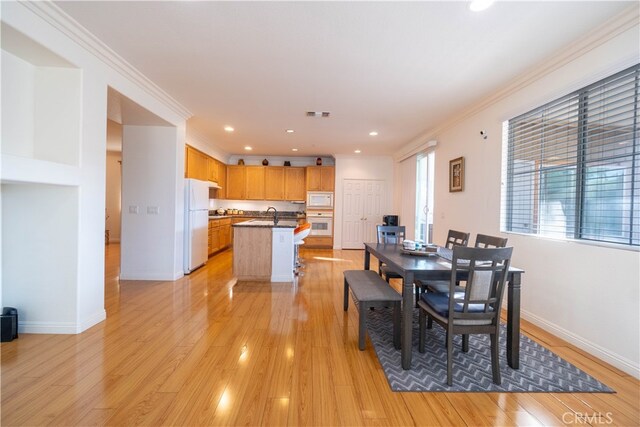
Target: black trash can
{"points": [[8, 324]]}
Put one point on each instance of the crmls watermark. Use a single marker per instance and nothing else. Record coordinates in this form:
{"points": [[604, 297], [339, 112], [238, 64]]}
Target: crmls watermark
{"points": [[593, 418]]}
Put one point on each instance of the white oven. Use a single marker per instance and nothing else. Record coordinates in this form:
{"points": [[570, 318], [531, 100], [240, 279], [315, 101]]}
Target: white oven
{"points": [[320, 200], [321, 223]]}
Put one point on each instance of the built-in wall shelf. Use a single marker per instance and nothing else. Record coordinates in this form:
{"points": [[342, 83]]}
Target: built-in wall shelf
{"points": [[41, 101], [17, 169]]}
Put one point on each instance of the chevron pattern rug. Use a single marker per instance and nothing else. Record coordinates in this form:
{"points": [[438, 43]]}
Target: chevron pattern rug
{"points": [[540, 369]]}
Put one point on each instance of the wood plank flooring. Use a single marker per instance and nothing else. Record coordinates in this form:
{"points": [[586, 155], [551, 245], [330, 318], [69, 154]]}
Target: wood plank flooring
{"points": [[205, 350]]}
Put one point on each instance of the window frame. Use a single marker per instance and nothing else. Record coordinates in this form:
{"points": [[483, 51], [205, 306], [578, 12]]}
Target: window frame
{"points": [[582, 164]]}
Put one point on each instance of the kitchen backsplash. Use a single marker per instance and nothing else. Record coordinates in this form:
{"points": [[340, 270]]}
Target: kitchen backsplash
{"points": [[255, 205]]}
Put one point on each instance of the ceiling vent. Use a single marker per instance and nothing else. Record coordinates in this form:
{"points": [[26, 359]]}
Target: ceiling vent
{"points": [[318, 114]]}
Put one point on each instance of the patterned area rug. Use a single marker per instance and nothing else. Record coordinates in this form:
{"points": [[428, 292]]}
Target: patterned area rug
{"points": [[540, 369]]}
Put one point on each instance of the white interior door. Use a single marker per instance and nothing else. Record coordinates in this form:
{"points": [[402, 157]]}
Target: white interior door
{"points": [[363, 204], [375, 204], [353, 202]]}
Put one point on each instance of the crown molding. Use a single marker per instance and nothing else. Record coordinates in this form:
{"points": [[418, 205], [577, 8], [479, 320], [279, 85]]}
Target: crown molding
{"points": [[56, 17], [613, 27]]}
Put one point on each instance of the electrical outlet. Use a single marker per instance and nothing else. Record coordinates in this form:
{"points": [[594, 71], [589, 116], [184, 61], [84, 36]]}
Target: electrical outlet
{"points": [[153, 210], [133, 210]]}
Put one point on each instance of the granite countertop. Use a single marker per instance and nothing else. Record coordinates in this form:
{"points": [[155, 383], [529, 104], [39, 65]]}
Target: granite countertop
{"points": [[267, 224]]}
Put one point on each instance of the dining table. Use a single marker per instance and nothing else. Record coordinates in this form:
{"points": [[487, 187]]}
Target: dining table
{"points": [[432, 267]]}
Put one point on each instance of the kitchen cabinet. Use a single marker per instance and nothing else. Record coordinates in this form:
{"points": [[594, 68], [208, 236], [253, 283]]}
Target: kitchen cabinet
{"points": [[212, 169], [235, 182], [254, 188], [221, 193], [219, 234], [195, 164], [294, 184], [274, 183], [320, 178]]}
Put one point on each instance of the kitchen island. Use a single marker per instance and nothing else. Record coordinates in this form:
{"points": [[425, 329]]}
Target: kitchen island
{"points": [[263, 250]]}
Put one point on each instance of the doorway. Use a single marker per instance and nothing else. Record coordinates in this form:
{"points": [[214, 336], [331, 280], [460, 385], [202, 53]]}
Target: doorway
{"points": [[364, 203]]}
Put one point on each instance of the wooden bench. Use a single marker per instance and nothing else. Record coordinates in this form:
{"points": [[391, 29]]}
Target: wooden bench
{"points": [[370, 290]]}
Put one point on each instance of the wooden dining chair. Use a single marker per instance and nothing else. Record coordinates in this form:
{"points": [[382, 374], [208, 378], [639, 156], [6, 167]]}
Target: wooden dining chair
{"points": [[475, 311], [485, 241], [389, 234], [454, 238]]}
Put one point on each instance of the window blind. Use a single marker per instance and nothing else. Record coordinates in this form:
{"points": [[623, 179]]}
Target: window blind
{"points": [[573, 165]]}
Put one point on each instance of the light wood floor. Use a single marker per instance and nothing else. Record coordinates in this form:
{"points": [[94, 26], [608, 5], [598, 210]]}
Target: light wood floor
{"points": [[206, 350]]}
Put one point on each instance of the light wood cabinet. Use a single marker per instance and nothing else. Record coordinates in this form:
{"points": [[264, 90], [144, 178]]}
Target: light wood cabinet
{"points": [[320, 178], [254, 188], [195, 164], [236, 182], [219, 234], [294, 184], [274, 183], [222, 181], [327, 174], [212, 169]]}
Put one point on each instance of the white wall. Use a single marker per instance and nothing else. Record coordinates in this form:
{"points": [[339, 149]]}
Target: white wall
{"points": [[360, 167], [40, 274], [586, 294], [147, 249], [88, 152]]}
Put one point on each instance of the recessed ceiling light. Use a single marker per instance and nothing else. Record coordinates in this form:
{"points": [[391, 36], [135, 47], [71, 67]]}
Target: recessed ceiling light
{"points": [[248, 148], [478, 5], [357, 151], [228, 129], [373, 133], [289, 130], [294, 149]]}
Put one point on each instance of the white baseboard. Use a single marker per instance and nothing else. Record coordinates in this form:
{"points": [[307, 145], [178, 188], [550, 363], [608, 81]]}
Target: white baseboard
{"points": [[28, 327], [69, 328], [620, 362]]}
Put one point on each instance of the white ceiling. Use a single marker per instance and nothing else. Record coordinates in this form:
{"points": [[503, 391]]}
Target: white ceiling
{"points": [[399, 68]]}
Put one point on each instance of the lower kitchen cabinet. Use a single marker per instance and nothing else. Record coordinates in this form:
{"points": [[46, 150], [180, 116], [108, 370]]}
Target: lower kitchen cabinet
{"points": [[219, 234]]}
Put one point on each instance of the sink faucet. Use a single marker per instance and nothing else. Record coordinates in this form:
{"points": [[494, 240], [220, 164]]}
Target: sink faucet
{"points": [[275, 214]]}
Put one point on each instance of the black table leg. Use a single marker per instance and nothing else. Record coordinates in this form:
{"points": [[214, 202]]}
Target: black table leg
{"points": [[513, 321], [367, 259], [407, 320]]}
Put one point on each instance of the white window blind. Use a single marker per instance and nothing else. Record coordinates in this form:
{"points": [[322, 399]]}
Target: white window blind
{"points": [[573, 165]]}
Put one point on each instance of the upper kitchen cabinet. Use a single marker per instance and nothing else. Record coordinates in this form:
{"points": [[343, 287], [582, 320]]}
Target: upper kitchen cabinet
{"points": [[294, 184], [222, 181], [255, 178], [236, 177], [320, 178], [212, 169], [274, 183], [196, 164]]}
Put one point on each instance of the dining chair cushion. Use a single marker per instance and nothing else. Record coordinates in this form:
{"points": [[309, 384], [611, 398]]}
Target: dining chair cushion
{"points": [[439, 302]]}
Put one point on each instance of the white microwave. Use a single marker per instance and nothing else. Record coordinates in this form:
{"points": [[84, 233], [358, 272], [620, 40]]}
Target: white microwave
{"points": [[320, 200]]}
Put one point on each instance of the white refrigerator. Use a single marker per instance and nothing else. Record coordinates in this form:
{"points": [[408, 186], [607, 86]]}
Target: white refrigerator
{"points": [[196, 223]]}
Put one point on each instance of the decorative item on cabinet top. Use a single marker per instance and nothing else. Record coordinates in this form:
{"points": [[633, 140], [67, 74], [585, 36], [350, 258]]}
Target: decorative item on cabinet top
{"points": [[287, 163], [241, 161], [265, 162], [319, 161]]}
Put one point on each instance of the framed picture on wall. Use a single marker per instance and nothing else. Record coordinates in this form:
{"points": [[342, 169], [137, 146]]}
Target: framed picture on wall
{"points": [[456, 174]]}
